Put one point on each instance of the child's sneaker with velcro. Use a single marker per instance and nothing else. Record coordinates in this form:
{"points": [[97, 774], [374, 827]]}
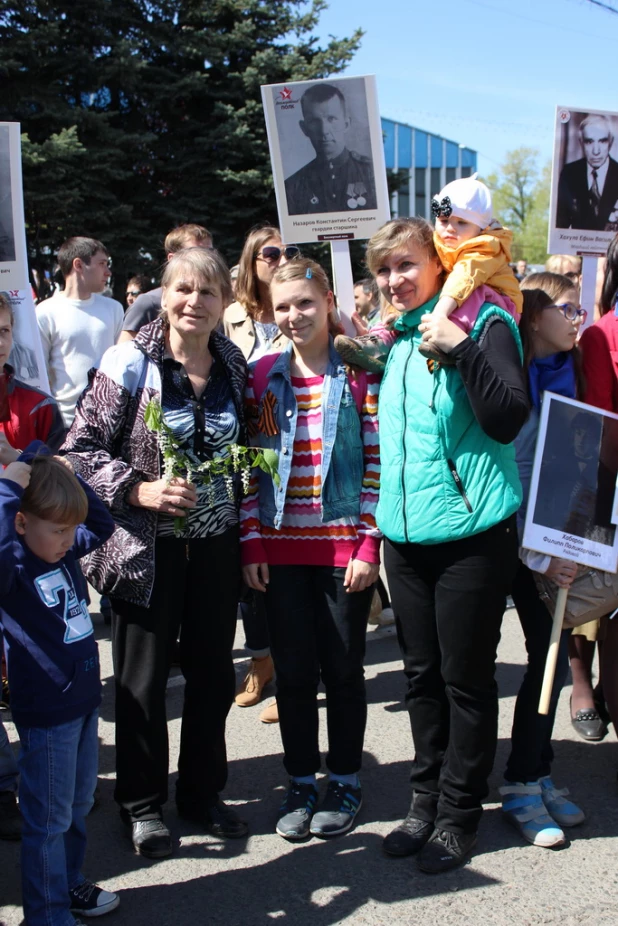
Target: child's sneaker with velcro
{"points": [[564, 812], [522, 805]]}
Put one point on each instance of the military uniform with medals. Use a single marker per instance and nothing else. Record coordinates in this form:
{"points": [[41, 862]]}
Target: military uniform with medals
{"points": [[342, 184]]}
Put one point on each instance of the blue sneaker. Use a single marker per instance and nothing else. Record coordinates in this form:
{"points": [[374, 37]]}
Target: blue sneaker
{"points": [[522, 805], [564, 812], [297, 810], [338, 810]]}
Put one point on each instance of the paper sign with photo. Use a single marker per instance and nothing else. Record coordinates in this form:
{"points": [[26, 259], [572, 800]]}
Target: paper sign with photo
{"points": [[27, 355], [583, 213], [327, 155], [571, 501]]}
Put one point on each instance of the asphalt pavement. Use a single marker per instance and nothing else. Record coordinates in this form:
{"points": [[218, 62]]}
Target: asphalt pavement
{"points": [[265, 881]]}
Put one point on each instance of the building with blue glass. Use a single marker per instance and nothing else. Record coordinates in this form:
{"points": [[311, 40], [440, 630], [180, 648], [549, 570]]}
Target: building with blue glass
{"points": [[424, 164]]}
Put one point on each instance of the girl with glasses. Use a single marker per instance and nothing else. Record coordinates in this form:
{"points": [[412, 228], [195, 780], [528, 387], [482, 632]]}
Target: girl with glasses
{"points": [[250, 324], [588, 716], [549, 329]]}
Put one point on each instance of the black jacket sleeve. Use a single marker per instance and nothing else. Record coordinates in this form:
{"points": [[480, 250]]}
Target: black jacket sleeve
{"points": [[495, 381]]}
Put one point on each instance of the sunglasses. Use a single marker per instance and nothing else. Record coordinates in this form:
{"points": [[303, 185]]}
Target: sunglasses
{"points": [[272, 253], [133, 292], [570, 311]]}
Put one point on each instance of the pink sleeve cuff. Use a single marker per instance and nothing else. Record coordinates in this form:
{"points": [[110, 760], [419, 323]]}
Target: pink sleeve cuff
{"points": [[367, 548], [252, 551]]}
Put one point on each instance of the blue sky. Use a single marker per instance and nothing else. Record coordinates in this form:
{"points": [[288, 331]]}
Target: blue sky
{"points": [[485, 73]]}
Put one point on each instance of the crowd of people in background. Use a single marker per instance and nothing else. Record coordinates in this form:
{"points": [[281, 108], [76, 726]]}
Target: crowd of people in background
{"points": [[148, 471]]}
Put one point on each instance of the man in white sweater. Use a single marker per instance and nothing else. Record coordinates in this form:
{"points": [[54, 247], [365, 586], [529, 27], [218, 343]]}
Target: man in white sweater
{"points": [[79, 324]]}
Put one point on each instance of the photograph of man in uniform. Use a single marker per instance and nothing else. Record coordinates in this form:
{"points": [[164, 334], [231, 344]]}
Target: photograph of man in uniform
{"points": [[337, 179], [7, 237], [576, 487], [588, 187]]}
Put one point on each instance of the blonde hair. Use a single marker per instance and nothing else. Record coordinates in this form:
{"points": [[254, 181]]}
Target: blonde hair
{"points": [[246, 291], [54, 494], [555, 285], [303, 268], [179, 237], [563, 263], [203, 266], [395, 236]]}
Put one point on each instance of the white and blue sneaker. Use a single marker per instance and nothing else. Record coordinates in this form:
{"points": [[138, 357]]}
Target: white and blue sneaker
{"points": [[564, 812], [89, 899], [522, 805], [338, 810]]}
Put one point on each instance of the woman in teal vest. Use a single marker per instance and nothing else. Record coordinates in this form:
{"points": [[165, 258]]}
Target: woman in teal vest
{"points": [[448, 497]]}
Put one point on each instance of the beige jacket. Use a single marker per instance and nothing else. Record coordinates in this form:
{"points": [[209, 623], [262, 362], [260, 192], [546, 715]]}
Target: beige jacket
{"points": [[238, 327]]}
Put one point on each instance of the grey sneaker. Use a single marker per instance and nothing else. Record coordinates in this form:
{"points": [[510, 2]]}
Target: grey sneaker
{"points": [[297, 810], [338, 810], [10, 816]]}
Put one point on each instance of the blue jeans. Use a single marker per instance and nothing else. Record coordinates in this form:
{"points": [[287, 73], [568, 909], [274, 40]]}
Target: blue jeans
{"points": [[8, 765], [58, 767]]}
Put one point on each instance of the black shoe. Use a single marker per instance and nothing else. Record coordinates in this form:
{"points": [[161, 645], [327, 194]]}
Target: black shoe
{"points": [[589, 725], [408, 838], [445, 851], [219, 819], [151, 838], [10, 816], [601, 706]]}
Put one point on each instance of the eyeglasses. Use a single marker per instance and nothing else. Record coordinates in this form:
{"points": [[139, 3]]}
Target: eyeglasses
{"points": [[272, 253], [133, 292], [570, 311]]}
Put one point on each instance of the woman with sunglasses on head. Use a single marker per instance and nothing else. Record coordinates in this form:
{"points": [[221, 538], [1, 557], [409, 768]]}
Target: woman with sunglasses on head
{"points": [[250, 324], [549, 328], [599, 347]]}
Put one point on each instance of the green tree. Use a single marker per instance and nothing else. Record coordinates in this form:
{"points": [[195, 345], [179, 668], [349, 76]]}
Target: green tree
{"points": [[141, 114], [521, 202]]}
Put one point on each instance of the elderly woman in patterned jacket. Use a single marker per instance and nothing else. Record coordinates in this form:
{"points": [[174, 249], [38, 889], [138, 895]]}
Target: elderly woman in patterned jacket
{"points": [[165, 580]]}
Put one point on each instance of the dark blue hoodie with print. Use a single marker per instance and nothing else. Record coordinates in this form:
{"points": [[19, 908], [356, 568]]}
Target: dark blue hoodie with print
{"points": [[52, 655]]}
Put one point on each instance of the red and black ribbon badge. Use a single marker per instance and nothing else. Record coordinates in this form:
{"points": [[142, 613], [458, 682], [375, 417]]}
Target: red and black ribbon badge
{"points": [[267, 422]]}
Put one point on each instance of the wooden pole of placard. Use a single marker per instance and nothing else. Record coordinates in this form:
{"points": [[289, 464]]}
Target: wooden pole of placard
{"points": [[552, 653], [343, 282]]}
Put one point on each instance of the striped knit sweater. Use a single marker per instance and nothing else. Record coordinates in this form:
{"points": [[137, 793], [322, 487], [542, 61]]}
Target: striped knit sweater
{"points": [[303, 538]]}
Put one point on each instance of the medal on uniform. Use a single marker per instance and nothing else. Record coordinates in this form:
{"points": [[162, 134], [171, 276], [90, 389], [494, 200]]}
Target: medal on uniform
{"points": [[355, 193], [314, 200]]}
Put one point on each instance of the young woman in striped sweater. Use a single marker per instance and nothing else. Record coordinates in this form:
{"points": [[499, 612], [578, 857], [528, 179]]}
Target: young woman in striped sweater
{"points": [[310, 542]]}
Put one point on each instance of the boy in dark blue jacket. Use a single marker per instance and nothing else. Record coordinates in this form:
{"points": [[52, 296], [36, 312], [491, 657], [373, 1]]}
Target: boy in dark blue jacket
{"points": [[48, 519]]}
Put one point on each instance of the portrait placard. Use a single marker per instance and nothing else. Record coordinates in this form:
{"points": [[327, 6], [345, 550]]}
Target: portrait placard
{"points": [[327, 155], [573, 484], [27, 355], [583, 213]]}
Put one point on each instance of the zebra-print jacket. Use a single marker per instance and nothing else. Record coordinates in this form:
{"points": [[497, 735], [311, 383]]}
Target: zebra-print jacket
{"points": [[112, 450]]}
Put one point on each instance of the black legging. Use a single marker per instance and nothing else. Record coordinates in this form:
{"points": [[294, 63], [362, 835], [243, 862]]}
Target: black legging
{"points": [[195, 593]]}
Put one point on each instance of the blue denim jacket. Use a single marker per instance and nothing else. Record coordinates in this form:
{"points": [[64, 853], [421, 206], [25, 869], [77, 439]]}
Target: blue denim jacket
{"points": [[342, 443]]}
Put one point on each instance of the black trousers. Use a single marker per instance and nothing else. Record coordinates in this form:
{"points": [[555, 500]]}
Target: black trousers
{"points": [[317, 629], [195, 594], [531, 750], [449, 600]]}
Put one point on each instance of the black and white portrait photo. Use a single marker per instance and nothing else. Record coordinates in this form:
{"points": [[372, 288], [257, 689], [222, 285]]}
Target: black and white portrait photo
{"points": [[339, 175], [327, 153], [574, 481], [583, 212], [7, 232], [588, 184]]}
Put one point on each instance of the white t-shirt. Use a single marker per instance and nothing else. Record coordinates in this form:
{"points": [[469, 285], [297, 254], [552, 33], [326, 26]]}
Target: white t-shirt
{"points": [[75, 334]]}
